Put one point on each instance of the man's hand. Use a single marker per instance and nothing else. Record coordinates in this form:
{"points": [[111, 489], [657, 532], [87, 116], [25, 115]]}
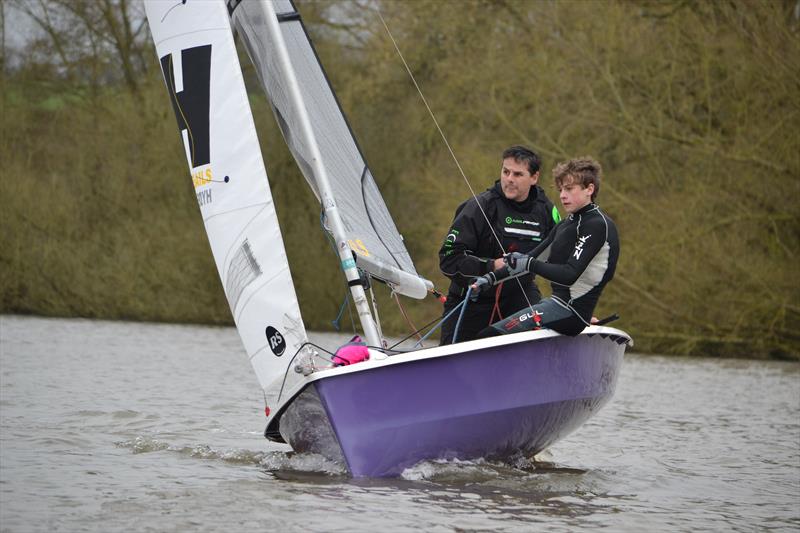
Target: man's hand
{"points": [[479, 285], [517, 263]]}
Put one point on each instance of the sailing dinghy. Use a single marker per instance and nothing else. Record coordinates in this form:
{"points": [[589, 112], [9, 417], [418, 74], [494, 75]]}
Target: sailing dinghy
{"points": [[492, 398]]}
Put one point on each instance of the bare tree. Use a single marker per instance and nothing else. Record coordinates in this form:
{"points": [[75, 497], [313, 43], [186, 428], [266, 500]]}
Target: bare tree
{"points": [[101, 40]]}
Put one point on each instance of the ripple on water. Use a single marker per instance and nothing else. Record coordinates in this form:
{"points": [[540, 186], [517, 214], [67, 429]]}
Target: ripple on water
{"points": [[273, 461], [483, 469], [125, 413], [301, 462], [144, 445], [87, 413], [686, 444]]}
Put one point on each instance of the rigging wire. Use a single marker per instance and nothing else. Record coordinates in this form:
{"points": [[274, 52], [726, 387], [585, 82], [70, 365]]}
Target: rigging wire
{"points": [[438, 128], [462, 304], [447, 144], [408, 320], [417, 332], [296, 353]]}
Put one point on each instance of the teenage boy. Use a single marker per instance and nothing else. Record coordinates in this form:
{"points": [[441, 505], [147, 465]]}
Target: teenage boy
{"points": [[578, 257]]}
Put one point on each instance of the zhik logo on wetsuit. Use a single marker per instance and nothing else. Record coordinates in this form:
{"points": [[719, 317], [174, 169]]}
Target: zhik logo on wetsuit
{"points": [[579, 247]]}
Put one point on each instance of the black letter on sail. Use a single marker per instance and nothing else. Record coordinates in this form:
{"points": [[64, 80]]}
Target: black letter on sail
{"points": [[191, 105], [276, 342]]}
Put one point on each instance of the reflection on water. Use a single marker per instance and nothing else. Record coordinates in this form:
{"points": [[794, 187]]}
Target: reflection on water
{"points": [[116, 426]]}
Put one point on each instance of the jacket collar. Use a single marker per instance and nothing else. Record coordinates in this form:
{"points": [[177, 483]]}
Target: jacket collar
{"points": [[524, 205]]}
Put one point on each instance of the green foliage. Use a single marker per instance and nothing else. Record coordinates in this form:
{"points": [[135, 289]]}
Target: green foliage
{"points": [[693, 109], [100, 218]]}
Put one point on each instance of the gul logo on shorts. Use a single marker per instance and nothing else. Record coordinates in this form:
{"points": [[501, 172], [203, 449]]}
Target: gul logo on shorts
{"points": [[514, 322], [517, 320], [276, 341]]}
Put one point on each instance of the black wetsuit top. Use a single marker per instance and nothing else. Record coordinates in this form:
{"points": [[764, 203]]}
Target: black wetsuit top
{"points": [[581, 256], [470, 248]]}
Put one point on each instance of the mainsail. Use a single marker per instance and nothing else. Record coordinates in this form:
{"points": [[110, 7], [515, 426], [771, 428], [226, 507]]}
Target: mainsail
{"points": [[370, 230], [201, 69]]}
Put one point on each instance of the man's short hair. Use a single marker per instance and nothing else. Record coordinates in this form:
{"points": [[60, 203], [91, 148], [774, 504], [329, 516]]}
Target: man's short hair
{"points": [[581, 170], [522, 154]]}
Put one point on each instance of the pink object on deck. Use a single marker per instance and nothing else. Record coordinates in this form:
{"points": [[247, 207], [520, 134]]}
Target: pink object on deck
{"points": [[354, 351]]}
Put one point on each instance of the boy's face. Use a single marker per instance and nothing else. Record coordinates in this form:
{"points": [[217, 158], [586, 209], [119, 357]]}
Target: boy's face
{"points": [[573, 195]]}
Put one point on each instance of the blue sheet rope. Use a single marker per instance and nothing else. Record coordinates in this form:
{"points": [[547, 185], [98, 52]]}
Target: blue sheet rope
{"points": [[461, 314], [461, 306]]}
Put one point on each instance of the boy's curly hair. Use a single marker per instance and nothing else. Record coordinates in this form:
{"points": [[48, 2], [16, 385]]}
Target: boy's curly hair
{"points": [[581, 170]]}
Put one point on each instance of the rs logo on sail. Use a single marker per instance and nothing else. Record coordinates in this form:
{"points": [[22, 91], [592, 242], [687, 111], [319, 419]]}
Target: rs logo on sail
{"points": [[276, 341]]}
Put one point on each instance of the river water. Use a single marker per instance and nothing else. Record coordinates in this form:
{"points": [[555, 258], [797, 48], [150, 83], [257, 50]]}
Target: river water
{"points": [[114, 426]]}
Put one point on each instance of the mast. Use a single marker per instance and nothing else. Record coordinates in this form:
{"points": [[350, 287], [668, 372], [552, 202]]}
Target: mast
{"points": [[327, 200]]}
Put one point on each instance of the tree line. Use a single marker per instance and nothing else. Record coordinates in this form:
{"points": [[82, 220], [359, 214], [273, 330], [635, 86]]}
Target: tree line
{"points": [[692, 108]]}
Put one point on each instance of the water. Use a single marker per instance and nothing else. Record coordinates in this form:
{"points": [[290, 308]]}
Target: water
{"points": [[110, 426]]}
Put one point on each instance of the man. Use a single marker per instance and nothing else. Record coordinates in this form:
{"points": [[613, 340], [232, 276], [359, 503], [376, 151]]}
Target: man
{"points": [[582, 255], [512, 216]]}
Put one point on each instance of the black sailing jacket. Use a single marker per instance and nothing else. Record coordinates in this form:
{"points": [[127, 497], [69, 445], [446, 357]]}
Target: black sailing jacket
{"points": [[470, 247]]}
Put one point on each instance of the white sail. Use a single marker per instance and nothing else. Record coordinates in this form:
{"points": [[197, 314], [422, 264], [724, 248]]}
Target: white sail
{"points": [[369, 229], [201, 69]]}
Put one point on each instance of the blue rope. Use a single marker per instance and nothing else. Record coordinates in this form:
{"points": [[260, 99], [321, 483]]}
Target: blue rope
{"points": [[442, 321], [338, 318], [327, 235], [346, 303], [461, 315]]}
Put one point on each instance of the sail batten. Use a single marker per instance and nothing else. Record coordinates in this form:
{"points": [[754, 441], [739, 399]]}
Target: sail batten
{"points": [[370, 231]]}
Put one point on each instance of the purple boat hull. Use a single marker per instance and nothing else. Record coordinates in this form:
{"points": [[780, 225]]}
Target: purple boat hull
{"points": [[490, 401]]}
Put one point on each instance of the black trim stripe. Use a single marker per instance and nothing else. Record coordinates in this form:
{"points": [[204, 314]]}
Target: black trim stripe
{"points": [[232, 5], [288, 17]]}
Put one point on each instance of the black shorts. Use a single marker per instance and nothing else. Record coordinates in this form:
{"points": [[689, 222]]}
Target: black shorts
{"points": [[548, 313]]}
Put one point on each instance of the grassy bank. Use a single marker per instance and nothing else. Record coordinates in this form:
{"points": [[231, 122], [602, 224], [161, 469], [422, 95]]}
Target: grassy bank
{"points": [[693, 112]]}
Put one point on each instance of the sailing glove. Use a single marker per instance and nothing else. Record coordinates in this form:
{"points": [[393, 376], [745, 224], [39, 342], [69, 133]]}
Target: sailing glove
{"points": [[481, 284], [517, 263]]}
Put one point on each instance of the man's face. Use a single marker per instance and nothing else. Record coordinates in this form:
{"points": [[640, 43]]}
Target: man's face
{"points": [[573, 196], [516, 180]]}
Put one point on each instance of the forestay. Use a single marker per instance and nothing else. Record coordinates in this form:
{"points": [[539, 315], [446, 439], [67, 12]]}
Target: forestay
{"points": [[370, 230], [201, 69]]}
